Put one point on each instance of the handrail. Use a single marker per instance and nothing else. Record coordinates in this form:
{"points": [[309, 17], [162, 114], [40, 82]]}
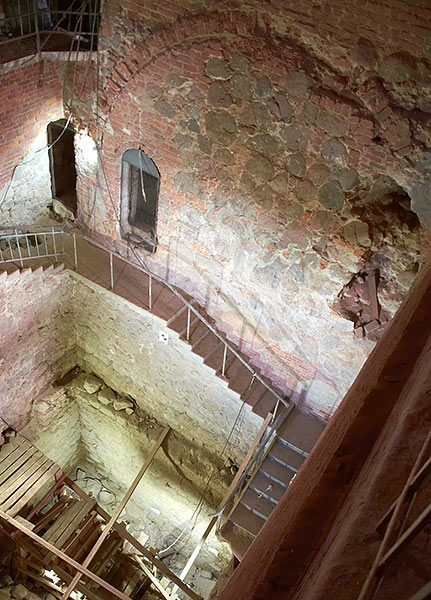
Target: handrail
{"points": [[190, 308], [151, 275]]}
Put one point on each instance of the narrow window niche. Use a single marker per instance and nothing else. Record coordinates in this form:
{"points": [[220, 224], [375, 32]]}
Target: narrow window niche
{"points": [[62, 167], [140, 185]]}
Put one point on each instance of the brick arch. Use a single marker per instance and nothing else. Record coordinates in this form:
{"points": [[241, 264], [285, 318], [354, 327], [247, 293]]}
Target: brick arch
{"points": [[194, 30]]}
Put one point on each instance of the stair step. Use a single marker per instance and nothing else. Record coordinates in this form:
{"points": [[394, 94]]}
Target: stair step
{"points": [[164, 302], [245, 518], [276, 469], [255, 501], [239, 541], [265, 405], [239, 376], [301, 430], [281, 451], [214, 358], [256, 392], [268, 486], [194, 324]]}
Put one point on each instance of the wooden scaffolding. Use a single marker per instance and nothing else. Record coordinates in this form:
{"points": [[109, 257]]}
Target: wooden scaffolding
{"points": [[67, 533]]}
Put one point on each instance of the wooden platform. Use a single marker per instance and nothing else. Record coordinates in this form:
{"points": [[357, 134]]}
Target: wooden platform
{"points": [[59, 528]]}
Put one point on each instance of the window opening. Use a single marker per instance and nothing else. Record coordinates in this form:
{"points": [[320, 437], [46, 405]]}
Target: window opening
{"points": [[140, 184], [62, 163]]}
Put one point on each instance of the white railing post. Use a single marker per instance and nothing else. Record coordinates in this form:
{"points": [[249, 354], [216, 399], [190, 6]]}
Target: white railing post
{"points": [[188, 324], [223, 367], [150, 292], [111, 266], [75, 253], [54, 244], [19, 249]]}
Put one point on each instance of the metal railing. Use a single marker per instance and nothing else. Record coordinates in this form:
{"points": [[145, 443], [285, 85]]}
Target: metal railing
{"points": [[40, 19], [23, 238], [19, 247]]}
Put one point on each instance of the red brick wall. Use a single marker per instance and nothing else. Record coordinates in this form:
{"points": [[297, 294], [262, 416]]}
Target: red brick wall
{"points": [[36, 347], [30, 97], [215, 227]]}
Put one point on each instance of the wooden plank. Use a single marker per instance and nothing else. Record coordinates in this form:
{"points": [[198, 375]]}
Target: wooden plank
{"points": [[118, 511], [63, 556], [81, 587], [82, 535], [38, 480], [55, 489], [23, 476], [74, 523], [13, 456], [406, 538], [65, 516], [13, 463], [121, 529], [153, 579], [50, 514], [14, 444]]}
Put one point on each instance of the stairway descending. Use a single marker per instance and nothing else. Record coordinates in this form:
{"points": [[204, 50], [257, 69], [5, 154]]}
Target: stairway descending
{"points": [[269, 482]]}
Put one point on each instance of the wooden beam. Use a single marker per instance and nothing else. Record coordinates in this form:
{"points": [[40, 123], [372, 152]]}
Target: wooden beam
{"points": [[153, 578], [121, 530], [117, 512], [226, 496], [63, 556]]}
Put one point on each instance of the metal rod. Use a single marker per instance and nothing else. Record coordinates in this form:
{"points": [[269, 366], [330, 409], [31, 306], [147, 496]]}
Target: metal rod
{"points": [[53, 241], [36, 26], [18, 248], [28, 246], [188, 324], [46, 243], [20, 17], [111, 266], [150, 292], [117, 512], [370, 586], [223, 367], [75, 253]]}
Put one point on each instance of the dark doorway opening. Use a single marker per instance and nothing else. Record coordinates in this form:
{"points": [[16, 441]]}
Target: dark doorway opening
{"points": [[140, 184], [62, 163]]}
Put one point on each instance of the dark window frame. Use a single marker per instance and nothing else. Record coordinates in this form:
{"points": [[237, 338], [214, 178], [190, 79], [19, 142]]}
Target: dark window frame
{"points": [[138, 212], [56, 131]]}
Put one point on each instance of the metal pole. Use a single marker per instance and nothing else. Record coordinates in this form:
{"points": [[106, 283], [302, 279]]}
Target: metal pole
{"points": [[150, 292], [20, 18], [36, 26], [223, 367], [19, 249], [75, 251], [111, 265], [188, 324], [54, 244]]}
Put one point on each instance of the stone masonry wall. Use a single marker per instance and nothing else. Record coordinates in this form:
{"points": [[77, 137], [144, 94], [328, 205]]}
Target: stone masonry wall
{"points": [[120, 343], [36, 347], [292, 147], [30, 97]]}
